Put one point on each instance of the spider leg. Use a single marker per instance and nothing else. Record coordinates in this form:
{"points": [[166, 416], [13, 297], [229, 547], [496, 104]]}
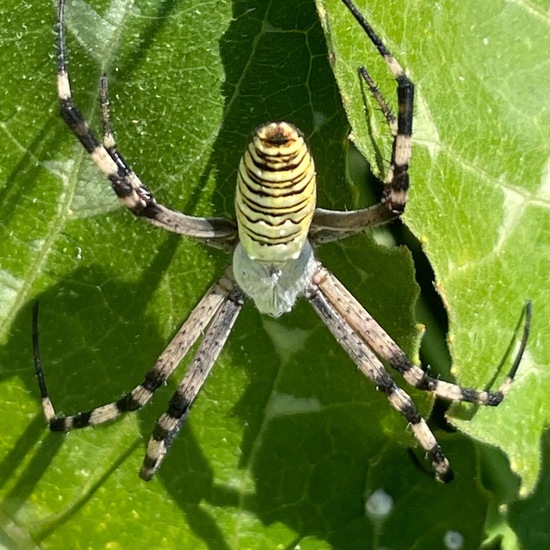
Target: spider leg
{"points": [[132, 193], [396, 184], [377, 338], [377, 94], [47, 406], [373, 369], [334, 225], [186, 336], [169, 423], [329, 225]]}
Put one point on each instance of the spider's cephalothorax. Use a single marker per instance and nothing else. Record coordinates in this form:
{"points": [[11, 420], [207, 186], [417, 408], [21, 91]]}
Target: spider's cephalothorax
{"points": [[272, 242]]}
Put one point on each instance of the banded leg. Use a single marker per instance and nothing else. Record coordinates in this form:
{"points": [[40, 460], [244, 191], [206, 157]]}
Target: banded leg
{"points": [[396, 184], [191, 330], [376, 337], [373, 369], [329, 225], [169, 424], [132, 193]]}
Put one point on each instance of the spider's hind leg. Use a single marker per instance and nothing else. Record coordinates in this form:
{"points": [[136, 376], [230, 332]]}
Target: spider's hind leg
{"points": [[130, 190], [127, 186], [383, 104], [396, 184]]}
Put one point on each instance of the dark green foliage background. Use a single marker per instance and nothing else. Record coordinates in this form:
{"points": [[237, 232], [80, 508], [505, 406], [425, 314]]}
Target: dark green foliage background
{"points": [[287, 440]]}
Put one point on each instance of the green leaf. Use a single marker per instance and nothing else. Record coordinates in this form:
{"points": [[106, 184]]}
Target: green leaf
{"points": [[479, 197], [287, 441]]}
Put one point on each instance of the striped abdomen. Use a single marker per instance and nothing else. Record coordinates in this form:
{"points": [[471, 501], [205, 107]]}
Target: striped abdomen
{"points": [[275, 196]]}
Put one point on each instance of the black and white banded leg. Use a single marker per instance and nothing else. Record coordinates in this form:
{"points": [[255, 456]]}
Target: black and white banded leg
{"points": [[169, 424], [374, 335], [357, 332], [203, 318], [329, 225], [132, 193], [373, 369], [396, 184]]}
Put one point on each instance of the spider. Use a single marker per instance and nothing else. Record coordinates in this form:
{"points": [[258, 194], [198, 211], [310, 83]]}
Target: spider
{"points": [[272, 241]]}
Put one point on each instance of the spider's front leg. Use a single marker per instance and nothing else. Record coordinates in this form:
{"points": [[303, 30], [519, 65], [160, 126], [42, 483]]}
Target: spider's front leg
{"points": [[169, 424], [369, 364], [132, 193], [360, 335], [196, 324]]}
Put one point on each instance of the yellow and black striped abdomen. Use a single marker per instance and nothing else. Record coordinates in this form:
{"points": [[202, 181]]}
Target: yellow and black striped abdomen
{"points": [[275, 196]]}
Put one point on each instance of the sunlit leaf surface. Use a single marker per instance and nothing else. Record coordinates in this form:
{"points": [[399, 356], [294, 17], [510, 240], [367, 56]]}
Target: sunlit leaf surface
{"points": [[287, 441]]}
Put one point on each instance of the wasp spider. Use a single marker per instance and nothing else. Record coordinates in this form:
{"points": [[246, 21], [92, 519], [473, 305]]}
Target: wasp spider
{"points": [[272, 242]]}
